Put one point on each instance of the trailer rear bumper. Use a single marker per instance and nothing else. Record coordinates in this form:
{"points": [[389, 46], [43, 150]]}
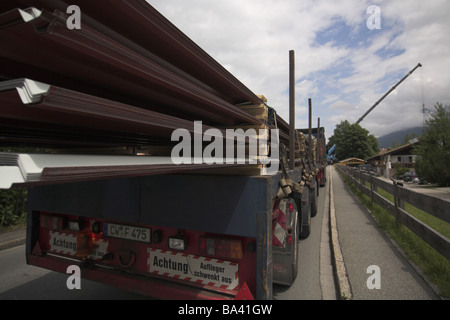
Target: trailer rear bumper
{"points": [[147, 285]]}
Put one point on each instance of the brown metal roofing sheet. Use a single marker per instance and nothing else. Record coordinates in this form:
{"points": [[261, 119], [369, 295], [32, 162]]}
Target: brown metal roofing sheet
{"points": [[98, 59], [138, 22], [28, 100], [14, 133], [168, 42], [90, 56]]}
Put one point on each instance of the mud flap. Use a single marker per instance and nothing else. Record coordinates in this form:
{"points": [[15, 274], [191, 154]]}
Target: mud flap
{"points": [[305, 215], [285, 259]]}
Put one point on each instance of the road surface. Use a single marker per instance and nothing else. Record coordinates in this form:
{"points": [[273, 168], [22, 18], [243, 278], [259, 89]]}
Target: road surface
{"points": [[19, 281]]}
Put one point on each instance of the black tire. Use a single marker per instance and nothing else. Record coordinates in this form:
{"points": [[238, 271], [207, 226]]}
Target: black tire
{"points": [[314, 207], [295, 236], [305, 209], [313, 198]]}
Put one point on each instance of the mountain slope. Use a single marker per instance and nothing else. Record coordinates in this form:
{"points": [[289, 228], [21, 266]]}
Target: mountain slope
{"points": [[387, 140]]}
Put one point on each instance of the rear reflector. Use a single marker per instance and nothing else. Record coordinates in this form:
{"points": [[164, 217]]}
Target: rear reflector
{"points": [[52, 223], [221, 248], [177, 243], [74, 225], [84, 245], [289, 238]]}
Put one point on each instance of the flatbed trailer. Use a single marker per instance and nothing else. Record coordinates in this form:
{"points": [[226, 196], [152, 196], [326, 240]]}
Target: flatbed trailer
{"points": [[170, 237], [102, 103]]}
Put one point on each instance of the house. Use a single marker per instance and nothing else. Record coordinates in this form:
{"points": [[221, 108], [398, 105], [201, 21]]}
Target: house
{"points": [[385, 161]]}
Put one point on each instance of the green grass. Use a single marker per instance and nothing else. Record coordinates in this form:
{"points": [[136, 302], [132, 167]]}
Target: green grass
{"points": [[435, 266], [21, 223], [437, 224]]}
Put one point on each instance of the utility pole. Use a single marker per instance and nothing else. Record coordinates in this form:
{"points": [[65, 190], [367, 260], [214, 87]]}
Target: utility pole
{"points": [[291, 110]]}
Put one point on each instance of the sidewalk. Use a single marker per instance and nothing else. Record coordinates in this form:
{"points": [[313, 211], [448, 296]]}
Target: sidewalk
{"points": [[364, 245], [12, 239]]}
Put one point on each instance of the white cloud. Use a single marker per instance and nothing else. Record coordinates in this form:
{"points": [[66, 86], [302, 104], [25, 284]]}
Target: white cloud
{"points": [[341, 64], [341, 105]]}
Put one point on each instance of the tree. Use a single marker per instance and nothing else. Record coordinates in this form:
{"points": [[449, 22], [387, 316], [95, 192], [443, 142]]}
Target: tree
{"points": [[352, 140], [433, 150], [13, 202], [409, 137], [13, 208]]}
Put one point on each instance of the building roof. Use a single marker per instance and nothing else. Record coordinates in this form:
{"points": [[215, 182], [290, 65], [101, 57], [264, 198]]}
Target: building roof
{"points": [[405, 149], [353, 161]]}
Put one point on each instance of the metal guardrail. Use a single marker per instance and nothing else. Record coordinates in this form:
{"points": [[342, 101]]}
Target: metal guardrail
{"points": [[434, 206]]}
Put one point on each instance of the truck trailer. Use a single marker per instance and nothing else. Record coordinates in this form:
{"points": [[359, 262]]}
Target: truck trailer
{"points": [[95, 108], [320, 158]]}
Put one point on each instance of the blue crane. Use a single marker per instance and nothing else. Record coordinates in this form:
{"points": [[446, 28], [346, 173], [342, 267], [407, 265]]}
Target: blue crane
{"points": [[330, 155]]}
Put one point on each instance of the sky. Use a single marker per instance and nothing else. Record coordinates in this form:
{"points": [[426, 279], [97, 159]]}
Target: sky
{"points": [[347, 55]]}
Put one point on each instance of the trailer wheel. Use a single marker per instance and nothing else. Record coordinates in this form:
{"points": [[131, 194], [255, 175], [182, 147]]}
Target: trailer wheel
{"points": [[313, 198], [314, 206], [313, 194], [317, 187], [295, 238], [305, 228]]}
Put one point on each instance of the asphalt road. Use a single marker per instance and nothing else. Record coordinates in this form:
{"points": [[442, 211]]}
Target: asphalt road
{"points": [[19, 281]]}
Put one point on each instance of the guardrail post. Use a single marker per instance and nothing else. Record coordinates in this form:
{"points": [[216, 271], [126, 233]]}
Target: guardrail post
{"points": [[396, 203], [371, 187]]}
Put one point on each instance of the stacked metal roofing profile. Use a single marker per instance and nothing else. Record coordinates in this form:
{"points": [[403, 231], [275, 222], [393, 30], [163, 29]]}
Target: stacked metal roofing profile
{"points": [[127, 78], [41, 169], [51, 107]]}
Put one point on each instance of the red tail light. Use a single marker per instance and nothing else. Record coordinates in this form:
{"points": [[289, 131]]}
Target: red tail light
{"points": [[289, 238], [291, 207], [221, 248], [84, 244]]}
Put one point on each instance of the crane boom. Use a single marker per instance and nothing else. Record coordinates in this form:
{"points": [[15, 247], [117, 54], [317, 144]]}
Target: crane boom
{"points": [[387, 93]]}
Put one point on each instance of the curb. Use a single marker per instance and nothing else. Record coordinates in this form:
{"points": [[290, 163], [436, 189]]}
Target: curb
{"points": [[12, 244], [343, 283], [12, 239]]}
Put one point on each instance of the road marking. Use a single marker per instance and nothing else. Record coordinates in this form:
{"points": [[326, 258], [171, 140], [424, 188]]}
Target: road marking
{"points": [[345, 291], [327, 284]]}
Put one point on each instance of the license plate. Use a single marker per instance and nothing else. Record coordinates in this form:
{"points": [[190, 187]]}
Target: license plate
{"points": [[127, 232]]}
